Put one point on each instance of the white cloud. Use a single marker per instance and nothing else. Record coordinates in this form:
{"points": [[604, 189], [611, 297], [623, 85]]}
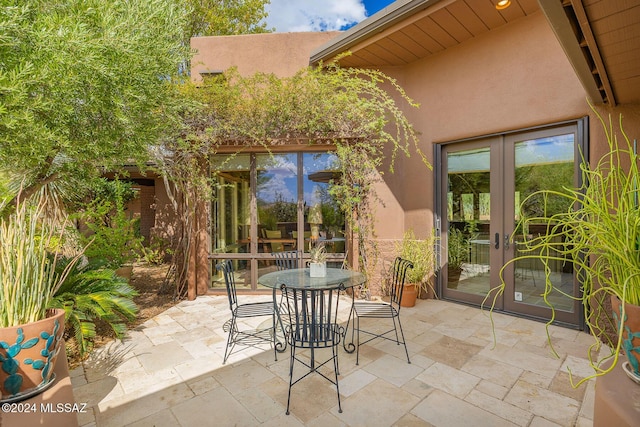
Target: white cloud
{"points": [[313, 15]]}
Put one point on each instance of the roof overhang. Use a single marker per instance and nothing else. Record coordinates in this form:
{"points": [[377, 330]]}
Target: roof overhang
{"points": [[601, 39]]}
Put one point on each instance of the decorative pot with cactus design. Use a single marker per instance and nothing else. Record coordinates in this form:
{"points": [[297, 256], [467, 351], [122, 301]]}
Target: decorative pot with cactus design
{"points": [[28, 355]]}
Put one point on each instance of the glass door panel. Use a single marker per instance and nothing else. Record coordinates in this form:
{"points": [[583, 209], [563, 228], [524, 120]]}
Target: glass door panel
{"points": [[323, 220], [277, 195], [468, 222], [232, 216], [540, 163], [487, 188]]}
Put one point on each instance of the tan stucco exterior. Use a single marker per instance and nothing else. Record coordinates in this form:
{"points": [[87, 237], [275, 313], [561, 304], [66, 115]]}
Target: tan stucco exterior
{"points": [[283, 54], [514, 77]]}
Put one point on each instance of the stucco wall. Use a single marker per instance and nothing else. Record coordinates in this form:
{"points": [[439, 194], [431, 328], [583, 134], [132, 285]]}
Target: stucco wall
{"points": [[283, 54], [511, 78]]}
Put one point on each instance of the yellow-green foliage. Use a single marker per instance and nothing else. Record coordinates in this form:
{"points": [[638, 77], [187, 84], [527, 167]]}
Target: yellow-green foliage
{"points": [[28, 280], [599, 234], [421, 252]]}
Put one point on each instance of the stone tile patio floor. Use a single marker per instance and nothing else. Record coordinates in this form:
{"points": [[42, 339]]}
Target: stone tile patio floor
{"points": [[169, 372]]}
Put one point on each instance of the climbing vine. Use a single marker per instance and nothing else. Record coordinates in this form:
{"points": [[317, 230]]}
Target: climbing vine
{"points": [[355, 112]]}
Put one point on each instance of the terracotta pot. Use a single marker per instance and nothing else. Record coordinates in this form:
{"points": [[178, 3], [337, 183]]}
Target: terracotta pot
{"points": [[28, 354], [409, 295], [630, 331]]}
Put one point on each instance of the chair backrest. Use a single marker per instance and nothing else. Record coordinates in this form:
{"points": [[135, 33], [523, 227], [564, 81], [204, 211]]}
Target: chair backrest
{"points": [[286, 260], [230, 282], [313, 316], [398, 276]]}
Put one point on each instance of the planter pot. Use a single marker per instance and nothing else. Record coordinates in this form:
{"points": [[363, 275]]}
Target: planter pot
{"points": [[428, 293], [630, 331], [28, 354], [453, 276], [317, 269], [409, 295]]}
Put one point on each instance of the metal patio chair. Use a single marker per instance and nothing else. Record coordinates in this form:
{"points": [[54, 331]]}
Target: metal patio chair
{"points": [[286, 260], [248, 337], [384, 310], [313, 324]]}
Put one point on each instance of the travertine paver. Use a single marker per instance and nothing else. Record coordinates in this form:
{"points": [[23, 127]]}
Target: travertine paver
{"points": [[169, 372], [442, 409], [448, 379]]}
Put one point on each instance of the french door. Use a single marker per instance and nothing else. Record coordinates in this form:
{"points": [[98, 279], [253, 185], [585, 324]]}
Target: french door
{"points": [[483, 185]]}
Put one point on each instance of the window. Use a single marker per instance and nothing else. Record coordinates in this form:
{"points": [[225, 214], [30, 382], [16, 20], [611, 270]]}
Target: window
{"points": [[267, 203]]}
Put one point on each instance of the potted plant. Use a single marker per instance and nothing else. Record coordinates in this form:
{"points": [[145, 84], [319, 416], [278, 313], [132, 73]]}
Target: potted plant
{"points": [[601, 237], [30, 332], [318, 260], [457, 252], [419, 279]]}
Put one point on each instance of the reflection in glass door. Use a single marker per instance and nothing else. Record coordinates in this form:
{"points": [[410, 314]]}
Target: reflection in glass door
{"points": [[542, 161], [487, 187], [468, 222]]}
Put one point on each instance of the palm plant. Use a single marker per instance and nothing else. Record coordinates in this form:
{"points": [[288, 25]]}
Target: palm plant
{"points": [[92, 294]]}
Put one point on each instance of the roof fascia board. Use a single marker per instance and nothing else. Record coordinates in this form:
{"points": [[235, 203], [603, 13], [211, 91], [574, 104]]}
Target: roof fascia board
{"points": [[397, 11], [561, 26]]}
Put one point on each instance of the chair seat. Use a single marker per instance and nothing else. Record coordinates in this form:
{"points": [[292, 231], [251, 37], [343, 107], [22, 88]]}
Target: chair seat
{"points": [[375, 309], [384, 310], [254, 309]]}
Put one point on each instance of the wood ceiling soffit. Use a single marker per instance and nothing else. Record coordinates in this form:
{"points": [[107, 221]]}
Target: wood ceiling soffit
{"points": [[529, 6], [401, 38], [513, 12], [424, 39], [438, 33], [468, 18], [389, 58], [593, 51], [368, 57], [398, 50], [489, 15], [406, 22], [451, 25]]}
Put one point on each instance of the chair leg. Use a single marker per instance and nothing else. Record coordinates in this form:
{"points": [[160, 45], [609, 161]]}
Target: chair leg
{"points": [[230, 340], [356, 323], [275, 338], [291, 362], [335, 369], [404, 341], [395, 328]]}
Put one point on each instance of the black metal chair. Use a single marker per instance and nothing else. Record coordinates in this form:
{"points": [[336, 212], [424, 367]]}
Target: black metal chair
{"points": [[286, 260], [384, 310], [248, 337], [313, 324]]}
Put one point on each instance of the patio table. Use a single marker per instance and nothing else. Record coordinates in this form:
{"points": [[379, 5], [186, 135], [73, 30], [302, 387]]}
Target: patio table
{"points": [[299, 278]]}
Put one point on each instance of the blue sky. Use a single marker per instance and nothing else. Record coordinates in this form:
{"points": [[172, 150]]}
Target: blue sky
{"points": [[320, 15]]}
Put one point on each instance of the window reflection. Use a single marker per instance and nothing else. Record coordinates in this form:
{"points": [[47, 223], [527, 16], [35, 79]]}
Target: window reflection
{"points": [[324, 222], [277, 197], [292, 206]]}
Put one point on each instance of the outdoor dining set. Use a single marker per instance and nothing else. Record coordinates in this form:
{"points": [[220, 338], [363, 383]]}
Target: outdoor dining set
{"points": [[303, 315]]}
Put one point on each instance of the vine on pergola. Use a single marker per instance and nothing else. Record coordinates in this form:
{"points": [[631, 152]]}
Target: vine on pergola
{"points": [[356, 111]]}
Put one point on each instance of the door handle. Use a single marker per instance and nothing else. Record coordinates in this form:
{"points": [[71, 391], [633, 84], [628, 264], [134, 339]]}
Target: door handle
{"points": [[497, 245]]}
